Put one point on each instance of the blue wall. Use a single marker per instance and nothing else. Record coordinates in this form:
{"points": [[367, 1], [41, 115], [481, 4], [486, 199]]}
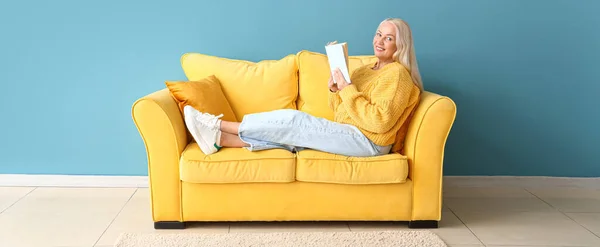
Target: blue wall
{"points": [[525, 78]]}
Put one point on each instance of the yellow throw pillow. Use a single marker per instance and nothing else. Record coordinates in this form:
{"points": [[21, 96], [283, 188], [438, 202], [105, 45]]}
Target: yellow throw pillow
{"points": [[204, 94], [250, 87], [314, 73]]}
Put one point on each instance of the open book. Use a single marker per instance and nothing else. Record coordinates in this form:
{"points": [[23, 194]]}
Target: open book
{"points": [[337, 55]]}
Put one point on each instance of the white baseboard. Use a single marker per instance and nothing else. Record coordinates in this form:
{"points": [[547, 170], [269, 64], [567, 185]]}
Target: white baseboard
{"points": [[142, 181], [521, 181], [73, 181]]}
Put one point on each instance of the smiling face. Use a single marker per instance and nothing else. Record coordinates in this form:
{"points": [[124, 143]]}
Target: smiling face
{"points": [[384, 42]]}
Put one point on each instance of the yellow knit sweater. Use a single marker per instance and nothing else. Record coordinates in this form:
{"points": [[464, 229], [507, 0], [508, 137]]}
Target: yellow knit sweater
{"points": [[378, 102]]}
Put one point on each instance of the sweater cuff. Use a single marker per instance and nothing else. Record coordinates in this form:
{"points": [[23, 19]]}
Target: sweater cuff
{"points": [[347, 94]]}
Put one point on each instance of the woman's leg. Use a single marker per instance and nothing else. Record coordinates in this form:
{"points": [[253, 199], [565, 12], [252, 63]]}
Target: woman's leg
{"points": [[231, 141], [206, 131], [286, 129], [230, 127], [294, 128]]}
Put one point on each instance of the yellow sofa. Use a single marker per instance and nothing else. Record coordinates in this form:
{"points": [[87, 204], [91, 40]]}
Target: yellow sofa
{"points": [[235, 184]]}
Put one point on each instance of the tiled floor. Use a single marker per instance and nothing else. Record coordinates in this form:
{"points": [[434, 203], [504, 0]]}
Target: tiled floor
{"points": [[472, 216]]}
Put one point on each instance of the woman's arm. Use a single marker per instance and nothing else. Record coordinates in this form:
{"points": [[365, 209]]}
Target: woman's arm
{"points": [[334, 100], [388, 101]]}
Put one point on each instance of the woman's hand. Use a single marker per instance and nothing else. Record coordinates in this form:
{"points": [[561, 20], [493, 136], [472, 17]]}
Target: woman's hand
{"points": [[339, 78], [332, 87]]}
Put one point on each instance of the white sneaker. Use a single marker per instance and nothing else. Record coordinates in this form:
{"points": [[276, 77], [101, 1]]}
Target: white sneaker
{"points": [[204, 128]]}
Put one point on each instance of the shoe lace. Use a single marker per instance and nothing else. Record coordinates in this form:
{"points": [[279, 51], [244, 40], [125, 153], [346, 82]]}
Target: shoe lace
{"points": [[209, 120]]}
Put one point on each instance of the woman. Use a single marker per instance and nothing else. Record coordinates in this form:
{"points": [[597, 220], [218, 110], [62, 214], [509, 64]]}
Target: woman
{"points": [[368, 113]]}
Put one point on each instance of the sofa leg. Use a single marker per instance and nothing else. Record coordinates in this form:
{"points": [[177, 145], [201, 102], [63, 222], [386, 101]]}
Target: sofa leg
{"points": [[169, 225], [423, 224]]}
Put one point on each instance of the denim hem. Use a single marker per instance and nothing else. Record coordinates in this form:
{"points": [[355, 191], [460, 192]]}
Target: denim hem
{"points": [[251, 145]]}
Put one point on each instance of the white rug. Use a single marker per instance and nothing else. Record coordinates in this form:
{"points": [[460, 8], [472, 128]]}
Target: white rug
{"points": [[409, 238]]}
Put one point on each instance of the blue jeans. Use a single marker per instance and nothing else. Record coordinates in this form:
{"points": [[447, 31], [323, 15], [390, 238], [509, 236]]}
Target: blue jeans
{"points": [[295, 130]]}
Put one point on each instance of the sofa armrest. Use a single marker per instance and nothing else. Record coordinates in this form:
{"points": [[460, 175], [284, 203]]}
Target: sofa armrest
{"points": [[162, 128], [424, 147]]}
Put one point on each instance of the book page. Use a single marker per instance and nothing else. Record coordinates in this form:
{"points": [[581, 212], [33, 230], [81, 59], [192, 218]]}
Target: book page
{"points": [[337, 55]]}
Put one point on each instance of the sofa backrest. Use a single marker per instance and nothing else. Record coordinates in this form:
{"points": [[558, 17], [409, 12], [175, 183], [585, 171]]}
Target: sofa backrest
{"points": [[313, 75], [249, 87]]}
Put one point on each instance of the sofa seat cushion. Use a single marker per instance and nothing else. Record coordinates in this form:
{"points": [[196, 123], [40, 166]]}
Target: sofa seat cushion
{"points": [[321, 167], [236, 165]]}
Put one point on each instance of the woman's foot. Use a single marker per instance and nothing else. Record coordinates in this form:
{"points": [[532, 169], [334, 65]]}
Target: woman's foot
{"points": [[204, 128]]}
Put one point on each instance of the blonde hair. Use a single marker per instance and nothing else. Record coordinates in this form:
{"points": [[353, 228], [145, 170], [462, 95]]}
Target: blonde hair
{"points": [[405, 49]]}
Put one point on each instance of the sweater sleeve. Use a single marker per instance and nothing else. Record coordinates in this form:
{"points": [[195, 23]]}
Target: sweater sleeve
{"points": [[388, 100], [334, 100]]}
